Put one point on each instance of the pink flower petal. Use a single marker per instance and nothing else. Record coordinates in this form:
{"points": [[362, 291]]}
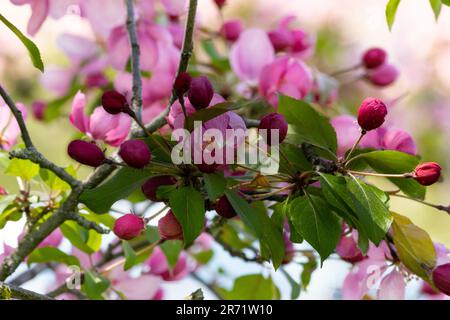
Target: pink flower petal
{"points": [[392, 287]]}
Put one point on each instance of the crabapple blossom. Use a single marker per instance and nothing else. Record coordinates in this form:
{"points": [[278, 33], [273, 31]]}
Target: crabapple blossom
{"points": [[129, 226], [371, 114]]}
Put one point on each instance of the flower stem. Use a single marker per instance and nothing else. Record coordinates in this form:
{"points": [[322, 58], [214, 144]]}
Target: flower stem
{"points": [[385, 175], [363, 133]]}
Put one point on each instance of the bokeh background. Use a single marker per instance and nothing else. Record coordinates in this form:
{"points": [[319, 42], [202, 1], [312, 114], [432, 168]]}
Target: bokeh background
{"points": [[418, 45]]}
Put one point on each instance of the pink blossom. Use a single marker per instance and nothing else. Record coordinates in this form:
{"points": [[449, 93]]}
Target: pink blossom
{"points": [[100, 125], [250, 54], [58, 80], [103, 15], [392, 287], [9, 129], [144, 287], [400, 140], [53, 240], [76, 47], [347, 248], [7, 250], [287, 76], [174, 7], [158, 266]]}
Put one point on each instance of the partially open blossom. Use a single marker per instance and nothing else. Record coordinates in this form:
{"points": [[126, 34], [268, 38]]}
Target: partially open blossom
{"points": [[158, 266], [169, 228], [347, 248], [143, 287], [427, 173], [224, 208], [373, 58], [441, 278], [114, 102], [285, 75], [9, 129], [201, 92], [87, 153], [371, 114], [182, 84], [281, 39], [150, 187], [400, 140], [135, 153], [250, 54], [231, 29], [128, 226], [383, 76], [274, 121], [100, 125], [38, 108]]}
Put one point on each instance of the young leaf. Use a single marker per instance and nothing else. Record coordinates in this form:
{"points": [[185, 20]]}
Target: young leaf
{"points": [[414, 247], [436, 5], [130, 255], [25, 169], [446, 2], [215, 184], [295, 287], [171, 250], [51, 254], [391, 10], [33, 50], [188, 206], [316, 222], [88, 241], [94, 285], [373, 214], [389, 161], [252, 287], [307, 124]]}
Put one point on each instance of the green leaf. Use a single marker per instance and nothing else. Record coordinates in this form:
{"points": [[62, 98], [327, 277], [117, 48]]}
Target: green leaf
{"points": [[130, 256], [51, 254], [308, 268], [171, 250], [436, 5], [88, 241], [252, 287], [391, 10], [203, 257], [119, 186], [292, 159], [396, 162], [215, 184], [307, 124], [188, 206], [217, 60], [414, 247], [260, 223], [33, 50], [25, 169], [295, 286], [94, 285], [446, 2], [8, 210], [317, 223], [373, 214], [53, 181]]}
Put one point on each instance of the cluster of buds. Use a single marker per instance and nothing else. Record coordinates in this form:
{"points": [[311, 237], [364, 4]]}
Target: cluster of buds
{"points": [[378, 71]]}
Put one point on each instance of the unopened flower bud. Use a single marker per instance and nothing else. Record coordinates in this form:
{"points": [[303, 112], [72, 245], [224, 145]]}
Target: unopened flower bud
{"points": [[373, 58], [87, 153], [371, 114], [427, 173], [220, 3], [182, 84], [201, 92], [150, 187], [280, 39], [274, 121], [38, 108], [231, 30], [383, 76], [441, 278], [224, 208], [114, 102], [169, 228], [128, 226], [135, 153]]}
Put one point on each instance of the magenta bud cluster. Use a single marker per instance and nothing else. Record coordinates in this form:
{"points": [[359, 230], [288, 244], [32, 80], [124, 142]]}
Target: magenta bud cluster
{"points": [[378, 71], [87, 153]]}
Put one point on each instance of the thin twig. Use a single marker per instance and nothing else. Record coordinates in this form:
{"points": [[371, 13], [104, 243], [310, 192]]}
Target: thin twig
{"points": [[8, 291]]}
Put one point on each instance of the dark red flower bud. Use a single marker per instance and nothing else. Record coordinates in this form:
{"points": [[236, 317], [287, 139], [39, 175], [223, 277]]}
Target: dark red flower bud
{"points": [[373, 58], [96, 80], [274, 121], [114, 102], [87, 153], [224, 208], [169, 228], [427, 173], [281, 39], [38, 108], [128, 226], [150, 187], [383, 75], [371, 114], [182, 84], [201, 92], [135, 153], [220, 3], [441, 278], [231, 30]]}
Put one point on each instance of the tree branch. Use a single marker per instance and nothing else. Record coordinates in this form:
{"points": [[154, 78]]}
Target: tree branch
{"points": [[186, 53], [136, 101], [8, 291], [82, 221]]}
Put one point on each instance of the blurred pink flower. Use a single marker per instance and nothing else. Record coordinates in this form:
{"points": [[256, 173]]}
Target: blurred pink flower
{"points": [[400, 140], [103, 15], [158, 266], [175, 7], [285, 75], [7, 250], [53, 240], [58, 79], [347, 248], [77, 47], [100, 125], [250, 54], [144, 287], [9, 129], [392, 287]]}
